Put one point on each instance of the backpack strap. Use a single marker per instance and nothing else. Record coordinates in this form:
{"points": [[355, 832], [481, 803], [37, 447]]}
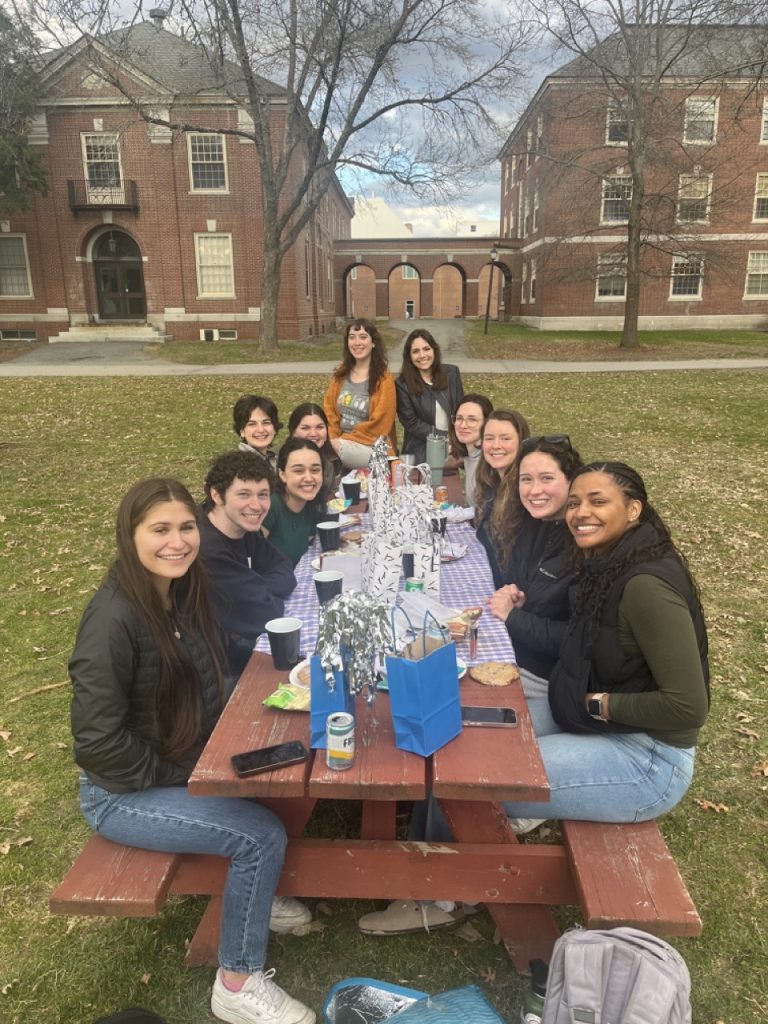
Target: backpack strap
{"points": [[586, 968], [652, 995]]}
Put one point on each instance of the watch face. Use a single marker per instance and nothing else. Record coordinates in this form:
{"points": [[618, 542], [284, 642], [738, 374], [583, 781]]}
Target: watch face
{"points": [[593, 707]]}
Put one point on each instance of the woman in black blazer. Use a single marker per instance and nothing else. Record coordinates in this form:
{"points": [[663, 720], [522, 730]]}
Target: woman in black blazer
{"points": [[428, 393]]}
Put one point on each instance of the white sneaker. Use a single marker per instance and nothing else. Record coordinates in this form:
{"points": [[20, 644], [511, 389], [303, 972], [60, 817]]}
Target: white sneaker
{"points": [[287, 913], [259, 1001]]}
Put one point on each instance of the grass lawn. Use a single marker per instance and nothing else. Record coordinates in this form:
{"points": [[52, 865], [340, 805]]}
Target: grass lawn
{"points": [[202, 353], [514, 341], [699, 440]]}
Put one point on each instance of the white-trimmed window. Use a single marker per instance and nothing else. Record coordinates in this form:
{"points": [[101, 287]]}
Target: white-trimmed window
{"points": [[757, 276], [215, 271], [535, 208], [14, 268], [616, 125], [539, 136], [617, 193], [307, 267], [693, 196], [512, 172], [410, 273], [523, 282], [533, 280], [527, 219], [764, 124], [529, 146], [207, 163], [686, 277], [700, 126], [521, 213], [611, 276], [101, 167], [760, 211]]}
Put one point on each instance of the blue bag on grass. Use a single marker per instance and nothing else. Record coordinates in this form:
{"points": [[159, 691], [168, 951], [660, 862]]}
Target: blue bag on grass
{"points": [[424, 697], [324, 702], [467, 1005]]}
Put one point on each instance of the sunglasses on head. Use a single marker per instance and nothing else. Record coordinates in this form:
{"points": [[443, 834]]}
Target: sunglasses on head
{"points": [[529, 444]]}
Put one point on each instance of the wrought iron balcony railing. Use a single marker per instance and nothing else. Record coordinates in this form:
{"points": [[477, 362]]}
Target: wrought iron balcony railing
{"points": [[111, 195]]}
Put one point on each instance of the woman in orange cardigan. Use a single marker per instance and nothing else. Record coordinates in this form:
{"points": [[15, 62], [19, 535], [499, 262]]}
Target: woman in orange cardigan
{"points": [[360, 403]]}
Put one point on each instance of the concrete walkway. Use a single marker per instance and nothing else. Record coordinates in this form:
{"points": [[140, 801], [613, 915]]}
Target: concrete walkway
{"points": [[128, 359]]}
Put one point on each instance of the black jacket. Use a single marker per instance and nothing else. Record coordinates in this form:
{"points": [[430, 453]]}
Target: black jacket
{"points": [[250, 580], [539, 568], [114, 669], [417, 412]]}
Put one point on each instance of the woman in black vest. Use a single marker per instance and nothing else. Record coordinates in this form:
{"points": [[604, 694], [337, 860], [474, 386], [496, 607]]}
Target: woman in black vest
{"points": [[428, 393], [630, 689]]}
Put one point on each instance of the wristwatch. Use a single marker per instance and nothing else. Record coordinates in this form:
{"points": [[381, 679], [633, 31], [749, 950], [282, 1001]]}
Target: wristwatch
{"points": [[595, 707]]}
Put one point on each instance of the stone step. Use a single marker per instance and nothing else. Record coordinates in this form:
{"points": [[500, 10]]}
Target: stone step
{"points": [[110, 332]]}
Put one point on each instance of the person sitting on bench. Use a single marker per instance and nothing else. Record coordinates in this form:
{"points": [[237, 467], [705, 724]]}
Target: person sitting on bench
{"points": [[147, 691]]}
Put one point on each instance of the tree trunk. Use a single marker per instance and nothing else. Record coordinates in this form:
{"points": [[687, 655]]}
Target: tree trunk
{"points": [[270, 289], [629, 337]]}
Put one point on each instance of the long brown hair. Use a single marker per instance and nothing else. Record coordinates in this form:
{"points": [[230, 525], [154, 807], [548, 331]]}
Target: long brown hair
{"points": [[379, 361], [410, 376], [489, 481], [178, 709]]}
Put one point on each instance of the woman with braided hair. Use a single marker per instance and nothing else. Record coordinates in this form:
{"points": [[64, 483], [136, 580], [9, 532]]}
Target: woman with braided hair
{"points": [[630, 689]]}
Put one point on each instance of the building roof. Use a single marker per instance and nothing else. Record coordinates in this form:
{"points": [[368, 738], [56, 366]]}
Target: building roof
{"points": [[177, 65]]}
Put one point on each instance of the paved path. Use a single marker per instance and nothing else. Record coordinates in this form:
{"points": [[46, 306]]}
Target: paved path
{"points": [[128, 359]]}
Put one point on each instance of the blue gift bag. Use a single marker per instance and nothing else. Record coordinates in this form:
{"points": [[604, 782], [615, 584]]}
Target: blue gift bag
{"points": [[324, 702], [424, 697]]}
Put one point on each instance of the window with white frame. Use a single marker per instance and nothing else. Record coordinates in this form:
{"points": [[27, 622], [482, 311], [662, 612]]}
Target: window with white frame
{"points": [[527, 219], [523, 282], [764, 125], [409, 273], [101, 164], [307, 267], [539, 136], [215, 272], [611, 275], [535, 208], [757, 276], [520, 217], [617, 193], [512, 176], [207, 163], [14, 268], [533, 280], [760, 211], [700, 126], [686, 276], [693, 195], [616, 125], [529, 146]]}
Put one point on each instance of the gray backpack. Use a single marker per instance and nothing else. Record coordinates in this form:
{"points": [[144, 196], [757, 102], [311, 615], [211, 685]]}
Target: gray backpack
{"points": [[617, 976]]}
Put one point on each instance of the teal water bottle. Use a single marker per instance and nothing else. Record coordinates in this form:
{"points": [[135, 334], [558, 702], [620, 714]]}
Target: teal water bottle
{"points": [[533, 1005]]}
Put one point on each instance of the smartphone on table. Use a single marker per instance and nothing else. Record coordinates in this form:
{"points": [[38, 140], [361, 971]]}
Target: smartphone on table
{"points": [[499, 718], [266, 759]]}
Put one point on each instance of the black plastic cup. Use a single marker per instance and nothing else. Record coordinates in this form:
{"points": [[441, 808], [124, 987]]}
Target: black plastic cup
{"points": [[439, 524], [331, 517], [407, 564], [330, 536], [328, 584], [351, 490], [284, 642]]}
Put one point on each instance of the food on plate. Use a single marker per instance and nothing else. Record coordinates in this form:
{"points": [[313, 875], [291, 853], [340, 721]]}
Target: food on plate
{"points": [[494, 673], [457, 628], [352, 537], [303, 674], [337, 504]]}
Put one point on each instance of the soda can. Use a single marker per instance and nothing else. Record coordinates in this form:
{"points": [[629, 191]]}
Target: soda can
{"points": [[340, 735], [414, 584], [441, 494]]}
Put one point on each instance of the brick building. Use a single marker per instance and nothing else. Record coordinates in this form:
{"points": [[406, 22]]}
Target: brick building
{"points": [[566, 185], [150, 230]]}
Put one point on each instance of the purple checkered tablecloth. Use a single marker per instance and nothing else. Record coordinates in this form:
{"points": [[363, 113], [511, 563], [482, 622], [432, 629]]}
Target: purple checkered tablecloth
{"points": [[463, 583]]}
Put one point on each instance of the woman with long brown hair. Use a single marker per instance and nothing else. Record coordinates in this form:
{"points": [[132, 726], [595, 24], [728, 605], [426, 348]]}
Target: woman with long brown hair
{"points": [[428, 393], [360, 402], [146, 695]]}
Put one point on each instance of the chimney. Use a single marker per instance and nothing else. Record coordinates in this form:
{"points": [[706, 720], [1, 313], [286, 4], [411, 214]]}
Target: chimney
{"points": [[158, 15], [409, 228]]}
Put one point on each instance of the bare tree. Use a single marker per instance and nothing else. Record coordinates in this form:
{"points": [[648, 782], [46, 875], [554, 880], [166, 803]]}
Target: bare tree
{"points": [[400, 91], [21, 170], [641, 59]]}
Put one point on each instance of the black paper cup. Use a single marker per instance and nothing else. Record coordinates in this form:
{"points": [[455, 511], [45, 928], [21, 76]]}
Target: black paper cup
{"points": [[328, 584], [351, 490], [439, 524], [284, 642], [330, 536], [331, 517], [407, 564]]}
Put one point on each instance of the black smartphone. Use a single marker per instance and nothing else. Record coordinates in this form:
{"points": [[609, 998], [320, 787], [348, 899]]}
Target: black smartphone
{"points": [[268, 758], [498, 717]]}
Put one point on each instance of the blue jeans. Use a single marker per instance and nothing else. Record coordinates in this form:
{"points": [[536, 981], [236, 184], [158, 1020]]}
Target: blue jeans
{"points": [[618, 777], [167, 818]]}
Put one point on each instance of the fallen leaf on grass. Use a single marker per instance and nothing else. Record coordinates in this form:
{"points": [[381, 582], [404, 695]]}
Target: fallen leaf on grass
{"points": [[708, 805], [324, 908], [14, 751], [145, 979], [468, 932], [29, 756], [743, 717], [488, 974], [760, 770], [750, 734], [5, 734], [8, 986]]}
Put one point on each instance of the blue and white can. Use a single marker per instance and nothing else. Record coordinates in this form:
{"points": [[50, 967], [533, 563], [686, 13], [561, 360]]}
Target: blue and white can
{"points": [[340, 734]]}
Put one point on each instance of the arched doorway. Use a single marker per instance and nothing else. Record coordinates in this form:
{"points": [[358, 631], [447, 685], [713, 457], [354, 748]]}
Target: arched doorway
{"points": [[447, 292], [360, 293], [404, 292], [119, 277]]}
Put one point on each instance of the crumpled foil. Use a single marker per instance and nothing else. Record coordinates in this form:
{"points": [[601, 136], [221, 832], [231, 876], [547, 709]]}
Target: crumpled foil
{"points": [[354, 631], [365, 1004]]}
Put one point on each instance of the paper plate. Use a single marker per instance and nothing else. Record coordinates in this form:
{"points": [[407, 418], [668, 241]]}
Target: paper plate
{"points": [[452, 552], [293, 676]]}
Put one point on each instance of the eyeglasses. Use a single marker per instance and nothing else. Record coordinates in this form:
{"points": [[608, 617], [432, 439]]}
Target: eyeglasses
{"points": [[530, 443], [469, 421]]}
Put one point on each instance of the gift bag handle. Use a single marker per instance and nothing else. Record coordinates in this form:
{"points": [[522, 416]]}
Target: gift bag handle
{"points": [[427, 615]]}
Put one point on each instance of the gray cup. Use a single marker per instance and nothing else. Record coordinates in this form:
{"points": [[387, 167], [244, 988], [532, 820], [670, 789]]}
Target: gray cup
{"points": [[328, 584], [284, 641], [330, 536]]}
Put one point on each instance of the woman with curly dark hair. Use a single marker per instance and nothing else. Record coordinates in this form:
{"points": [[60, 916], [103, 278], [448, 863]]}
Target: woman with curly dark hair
{"points": [[630, 689], [428, 393], [360, 402]]}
